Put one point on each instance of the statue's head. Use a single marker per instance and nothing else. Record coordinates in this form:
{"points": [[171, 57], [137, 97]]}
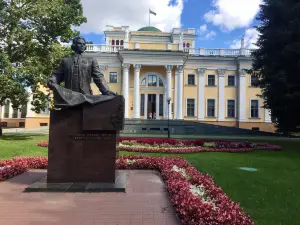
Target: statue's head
{"points": [[79, 45]]}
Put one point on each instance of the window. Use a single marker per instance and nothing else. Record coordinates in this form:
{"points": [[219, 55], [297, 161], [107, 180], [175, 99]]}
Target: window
{"points": [[190, 107], [187, 45], [24, 111], [43, 124], [6, 109], [15, 113], [191, 79], [122, 42], [184, 44], [231, 81], [152, 80], [142, 104], [117, 42], [211, 80], [161, 104], [113, 42], [113, 77], [254, 109], [21, 124], [231, 108], [161, 84], [143, 83], [254, 81], [211, 107], [46, 110]]}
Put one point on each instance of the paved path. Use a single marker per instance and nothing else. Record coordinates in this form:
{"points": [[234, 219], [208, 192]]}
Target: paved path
{"points": [[45, 131], [145, 203]]}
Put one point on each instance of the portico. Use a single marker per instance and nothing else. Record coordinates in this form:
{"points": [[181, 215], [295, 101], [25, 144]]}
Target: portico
{"points": [[155, 79]]}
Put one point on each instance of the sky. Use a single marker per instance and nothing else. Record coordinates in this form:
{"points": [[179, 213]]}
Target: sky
{"points": [[218, 23]]}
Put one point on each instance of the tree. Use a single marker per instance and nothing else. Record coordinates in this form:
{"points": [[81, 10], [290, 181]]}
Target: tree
{"points": [[277, 61], [30, 31]]}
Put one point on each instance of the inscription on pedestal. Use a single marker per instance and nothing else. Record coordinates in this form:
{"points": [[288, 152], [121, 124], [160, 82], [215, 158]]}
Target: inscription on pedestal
{"points": [[92, 136]]}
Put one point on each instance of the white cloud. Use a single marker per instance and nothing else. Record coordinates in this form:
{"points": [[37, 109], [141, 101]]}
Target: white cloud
{"points": [[203, 29], [133, 13], [232, 14], [205, 33], [210, 34], [251, 37]]}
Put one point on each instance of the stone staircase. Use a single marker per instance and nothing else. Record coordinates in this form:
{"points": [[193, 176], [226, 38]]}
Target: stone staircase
{"points": [[185, 127]]}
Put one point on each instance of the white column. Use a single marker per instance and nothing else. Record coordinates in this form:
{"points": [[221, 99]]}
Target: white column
{"points": [[125, 88], [169, 87], [176, 95], [11, 110], [157, 106], [29, 112], [221, 92], [242, 95], [268, 116], [180, 92], [165, 113], [137, 97], [201, 98], [146, 106]]}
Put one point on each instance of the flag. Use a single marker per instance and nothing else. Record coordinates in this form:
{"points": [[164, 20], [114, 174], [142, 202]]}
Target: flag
{"points": [[151, 12]]}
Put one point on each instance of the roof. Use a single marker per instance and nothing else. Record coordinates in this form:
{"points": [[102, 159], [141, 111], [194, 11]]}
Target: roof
{"points": [[149, 28]]}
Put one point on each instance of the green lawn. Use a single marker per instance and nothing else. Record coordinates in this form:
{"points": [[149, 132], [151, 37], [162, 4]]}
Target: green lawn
{"points": [[271, 196]]}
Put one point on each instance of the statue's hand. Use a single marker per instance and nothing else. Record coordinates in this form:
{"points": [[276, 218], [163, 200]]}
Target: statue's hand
{"points": [[50, 83], [109, 93]]}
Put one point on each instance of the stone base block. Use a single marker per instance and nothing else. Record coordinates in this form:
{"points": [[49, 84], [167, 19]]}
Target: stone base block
{"points": [[119, 185]]}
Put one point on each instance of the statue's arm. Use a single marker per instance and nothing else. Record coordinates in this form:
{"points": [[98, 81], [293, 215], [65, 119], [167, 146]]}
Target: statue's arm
{"points": [[57, 76], [98, 78]]}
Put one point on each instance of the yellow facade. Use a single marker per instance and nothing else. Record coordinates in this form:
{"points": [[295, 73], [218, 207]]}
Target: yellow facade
{"points": [[161, 55]]}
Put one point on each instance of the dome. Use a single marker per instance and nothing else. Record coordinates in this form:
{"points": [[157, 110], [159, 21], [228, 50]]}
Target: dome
{"points": [[151, 29]]}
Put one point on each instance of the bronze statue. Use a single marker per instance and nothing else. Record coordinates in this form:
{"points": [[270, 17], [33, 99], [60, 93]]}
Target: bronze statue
{"points": [[76, 71]]}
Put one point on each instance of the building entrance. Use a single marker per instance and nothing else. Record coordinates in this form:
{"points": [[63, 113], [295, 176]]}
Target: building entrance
{"points": [[151, 114]]}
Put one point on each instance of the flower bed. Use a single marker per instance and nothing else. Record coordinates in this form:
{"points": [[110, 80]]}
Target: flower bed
{"points": [[164, 145], [195, 196]]}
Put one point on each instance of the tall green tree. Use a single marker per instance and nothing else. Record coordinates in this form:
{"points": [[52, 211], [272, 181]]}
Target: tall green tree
{"points": [[277, 61], [30, 31]]}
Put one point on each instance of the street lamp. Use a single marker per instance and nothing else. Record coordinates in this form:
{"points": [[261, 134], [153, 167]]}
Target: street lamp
{"points": [[169, 100]]}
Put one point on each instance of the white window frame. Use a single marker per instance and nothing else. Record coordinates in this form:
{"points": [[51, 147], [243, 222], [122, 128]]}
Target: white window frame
{"points": [[230, 99], [258, 108], [195, 107], [234, 80], [250, 81], [109, 77], [207, 107], [207, 80], [187, 79]]}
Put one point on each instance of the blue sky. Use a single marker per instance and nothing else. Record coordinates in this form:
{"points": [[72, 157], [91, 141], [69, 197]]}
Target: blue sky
{"points": [[218, 23]]}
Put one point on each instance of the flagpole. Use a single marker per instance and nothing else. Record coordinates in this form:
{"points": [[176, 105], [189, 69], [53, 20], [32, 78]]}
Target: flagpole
{"points": [[149, 17]]}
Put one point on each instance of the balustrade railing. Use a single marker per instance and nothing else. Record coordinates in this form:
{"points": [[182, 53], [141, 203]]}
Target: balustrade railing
{"points": [[148, 46]]}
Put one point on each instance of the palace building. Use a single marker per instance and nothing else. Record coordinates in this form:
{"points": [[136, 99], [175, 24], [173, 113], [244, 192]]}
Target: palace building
{"points": [[163, 75]]}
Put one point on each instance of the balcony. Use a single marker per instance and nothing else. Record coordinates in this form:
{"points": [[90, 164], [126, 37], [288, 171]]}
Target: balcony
{"points": [[168, 47]]}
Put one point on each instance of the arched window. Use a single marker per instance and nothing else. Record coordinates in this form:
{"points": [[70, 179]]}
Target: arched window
{"points": [[122, 42], [117, 42], [113, 42], [152, 80], [187, 45], [143, 83], [184, 44], [161, 84]]}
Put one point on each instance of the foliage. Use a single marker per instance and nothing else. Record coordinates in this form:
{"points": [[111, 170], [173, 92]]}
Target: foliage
{"points": [[30, 32], [277, 61]]}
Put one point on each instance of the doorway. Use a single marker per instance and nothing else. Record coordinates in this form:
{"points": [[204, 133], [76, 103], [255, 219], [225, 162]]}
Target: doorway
{"points": [[151, 106]]}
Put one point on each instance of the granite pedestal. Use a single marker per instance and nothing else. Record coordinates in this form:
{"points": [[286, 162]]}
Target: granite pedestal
{"points": [[82, 148]]}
